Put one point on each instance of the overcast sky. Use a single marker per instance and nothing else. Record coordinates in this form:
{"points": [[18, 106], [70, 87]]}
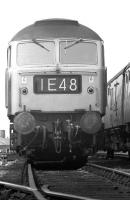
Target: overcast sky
{"points": [[109, 18]]}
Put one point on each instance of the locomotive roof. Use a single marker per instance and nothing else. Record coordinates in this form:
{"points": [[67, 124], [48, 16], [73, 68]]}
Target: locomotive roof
{"points": [[56, 28]]}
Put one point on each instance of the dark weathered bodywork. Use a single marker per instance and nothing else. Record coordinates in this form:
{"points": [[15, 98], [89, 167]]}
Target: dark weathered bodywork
{"points": [[117, 118], [118, 96]]}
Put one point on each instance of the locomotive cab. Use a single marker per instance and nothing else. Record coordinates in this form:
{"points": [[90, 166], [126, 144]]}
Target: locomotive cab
{"points": [[55, 87]]}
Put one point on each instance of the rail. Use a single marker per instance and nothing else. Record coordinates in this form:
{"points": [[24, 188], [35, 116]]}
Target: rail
{"points": [[46, 191]]}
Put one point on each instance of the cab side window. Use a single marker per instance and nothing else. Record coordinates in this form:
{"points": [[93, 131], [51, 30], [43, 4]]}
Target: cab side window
{"points": [[9, 56], [103, 59]]}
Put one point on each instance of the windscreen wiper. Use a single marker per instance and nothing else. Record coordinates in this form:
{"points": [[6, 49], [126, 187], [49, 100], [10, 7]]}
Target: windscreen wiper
{"points": [[37, 43], [76, 42]]}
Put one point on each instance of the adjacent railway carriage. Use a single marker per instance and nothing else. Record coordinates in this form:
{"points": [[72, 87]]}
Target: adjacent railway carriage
{"points": [[55, 89], [117, 118]]}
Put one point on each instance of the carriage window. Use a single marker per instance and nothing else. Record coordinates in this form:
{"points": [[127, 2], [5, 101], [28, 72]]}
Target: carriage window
{"points": [[111, 99], [78, 52], [127, 78], [108, 91], [129, 75], [36, 53]]}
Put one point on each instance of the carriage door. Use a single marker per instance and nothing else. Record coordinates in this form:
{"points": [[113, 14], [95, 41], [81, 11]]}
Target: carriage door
{"points": [[117, 111], [115, 108], [127, 97]]}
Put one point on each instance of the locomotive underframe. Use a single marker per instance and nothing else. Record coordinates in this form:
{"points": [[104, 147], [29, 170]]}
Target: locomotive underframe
{"points": [[57, 137]]}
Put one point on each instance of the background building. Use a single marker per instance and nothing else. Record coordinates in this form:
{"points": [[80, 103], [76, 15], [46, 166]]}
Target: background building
{"points": [[4, 142]]}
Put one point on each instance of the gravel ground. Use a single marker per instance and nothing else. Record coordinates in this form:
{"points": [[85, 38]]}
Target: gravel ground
{"points": [[11, 172], [119, 163]]}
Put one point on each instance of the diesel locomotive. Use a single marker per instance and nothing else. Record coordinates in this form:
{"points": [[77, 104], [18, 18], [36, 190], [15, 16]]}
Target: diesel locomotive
{"points": [[55, 90], [117, 119]]}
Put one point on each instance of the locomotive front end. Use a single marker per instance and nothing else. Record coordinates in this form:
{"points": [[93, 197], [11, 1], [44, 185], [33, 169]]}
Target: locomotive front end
{"points": [[56, 88]]}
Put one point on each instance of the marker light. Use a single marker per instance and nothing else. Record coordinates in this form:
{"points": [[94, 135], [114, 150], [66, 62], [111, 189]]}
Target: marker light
{"points": [[90, 90], [24, 91]]}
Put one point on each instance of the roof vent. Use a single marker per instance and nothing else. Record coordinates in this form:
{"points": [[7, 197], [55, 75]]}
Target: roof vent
{"points": [[56, 22]]}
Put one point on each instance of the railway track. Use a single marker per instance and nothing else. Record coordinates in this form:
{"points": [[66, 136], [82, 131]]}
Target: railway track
{"points": [[116, 176], [80, 184], [92, 182]]}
